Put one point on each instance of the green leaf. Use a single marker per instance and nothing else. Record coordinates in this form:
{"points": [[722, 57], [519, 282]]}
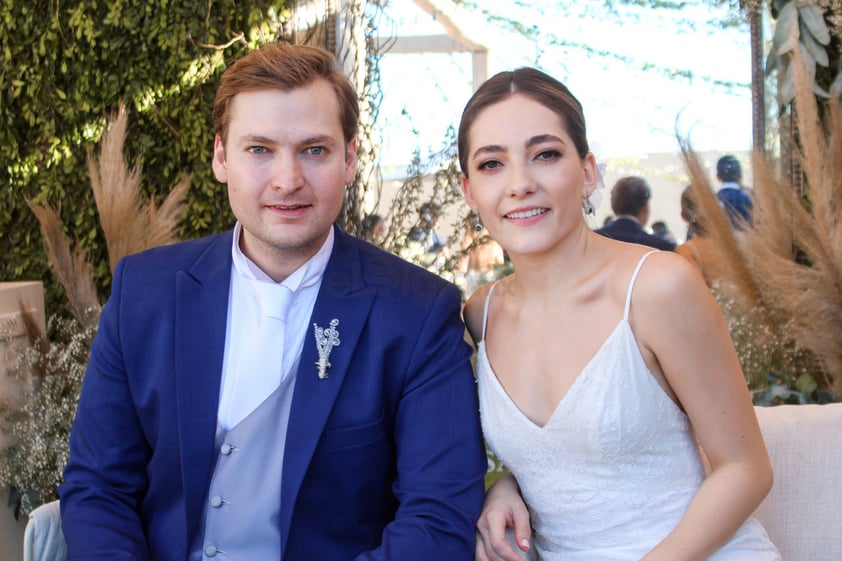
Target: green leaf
{"points": [[836, 86], [816, 51], [821, 92], [786, 27], [812, 17], [806, 384], [786, 86]]}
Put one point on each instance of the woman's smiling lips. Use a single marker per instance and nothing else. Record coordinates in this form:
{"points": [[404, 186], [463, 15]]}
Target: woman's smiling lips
{"points": [[525, 215]]}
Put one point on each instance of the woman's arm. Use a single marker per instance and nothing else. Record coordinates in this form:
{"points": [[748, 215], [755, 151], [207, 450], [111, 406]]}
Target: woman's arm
{"points": [[503, 509], [684, 337]]}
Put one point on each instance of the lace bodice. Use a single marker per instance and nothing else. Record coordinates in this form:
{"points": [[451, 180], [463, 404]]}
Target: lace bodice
{"points": [[614, 468]]}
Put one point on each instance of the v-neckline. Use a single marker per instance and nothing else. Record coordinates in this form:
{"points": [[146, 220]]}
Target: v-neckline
{"points": [[576, 382]]}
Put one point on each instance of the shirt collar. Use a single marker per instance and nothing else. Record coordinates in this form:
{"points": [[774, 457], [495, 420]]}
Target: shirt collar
{"points": [[306, 275], [628, 217]]}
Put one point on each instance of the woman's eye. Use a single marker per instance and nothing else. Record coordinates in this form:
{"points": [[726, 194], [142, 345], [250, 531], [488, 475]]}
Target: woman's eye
{"points": [[489, 165], [548, 155]]}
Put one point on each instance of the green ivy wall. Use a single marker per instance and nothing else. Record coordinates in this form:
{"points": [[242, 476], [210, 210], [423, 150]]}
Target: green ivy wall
{"points": [[68, 64]]}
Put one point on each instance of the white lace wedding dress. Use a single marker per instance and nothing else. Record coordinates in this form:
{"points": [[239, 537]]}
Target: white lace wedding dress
{"points": [[614, 468]]}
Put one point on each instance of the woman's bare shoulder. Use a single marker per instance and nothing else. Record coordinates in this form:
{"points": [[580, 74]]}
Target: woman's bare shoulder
{"points": [[668, 274], [473, 312], [669, 289]]}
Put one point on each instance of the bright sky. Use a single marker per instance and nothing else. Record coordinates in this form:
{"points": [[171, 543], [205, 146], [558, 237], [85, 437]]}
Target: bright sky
{"points": [[629, 111]]}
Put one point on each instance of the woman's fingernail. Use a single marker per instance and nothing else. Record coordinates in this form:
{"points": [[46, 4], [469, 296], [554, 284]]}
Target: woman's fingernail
{"points": [[525, 543]]}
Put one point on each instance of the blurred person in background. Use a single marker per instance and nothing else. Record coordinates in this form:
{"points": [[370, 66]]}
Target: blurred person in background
{"points": [[630, 205], [732, 195]]}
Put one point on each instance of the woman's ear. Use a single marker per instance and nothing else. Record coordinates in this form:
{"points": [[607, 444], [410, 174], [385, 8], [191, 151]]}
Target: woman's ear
{"points": [[591, 174], [466, 190]]}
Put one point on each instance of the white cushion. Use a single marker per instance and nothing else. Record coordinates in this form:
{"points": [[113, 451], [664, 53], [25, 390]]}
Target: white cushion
{"points": [[803, 511], [43, 539]]}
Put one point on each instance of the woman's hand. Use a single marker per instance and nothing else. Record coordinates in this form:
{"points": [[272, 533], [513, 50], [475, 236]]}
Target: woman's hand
{"points": [[503, 510]]}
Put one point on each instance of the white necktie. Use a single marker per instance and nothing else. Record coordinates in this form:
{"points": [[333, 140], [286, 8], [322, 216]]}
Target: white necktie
{"points": [[261, 366]]}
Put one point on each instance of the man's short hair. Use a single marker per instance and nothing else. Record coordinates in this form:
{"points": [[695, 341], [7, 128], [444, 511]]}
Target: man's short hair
{"points": [[284, 66], [629, 196], [728, 169]]}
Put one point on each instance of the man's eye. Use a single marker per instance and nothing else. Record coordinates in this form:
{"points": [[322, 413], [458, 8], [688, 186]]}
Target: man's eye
{"points": [[257, 149], [316, 150]]}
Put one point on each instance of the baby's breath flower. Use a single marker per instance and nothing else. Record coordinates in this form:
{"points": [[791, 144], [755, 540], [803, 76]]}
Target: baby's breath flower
{"points": [[38, 423]]}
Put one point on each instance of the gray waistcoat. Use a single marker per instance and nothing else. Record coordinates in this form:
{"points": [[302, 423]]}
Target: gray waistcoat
{"points": [[244, 500]]}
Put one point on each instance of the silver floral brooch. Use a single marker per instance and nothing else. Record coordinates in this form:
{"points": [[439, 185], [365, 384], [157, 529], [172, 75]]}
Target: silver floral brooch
{"points": [[326, 339]]}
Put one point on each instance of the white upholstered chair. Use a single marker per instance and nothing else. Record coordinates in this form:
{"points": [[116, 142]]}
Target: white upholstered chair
{"points": [[43, 539], [803, 512]]}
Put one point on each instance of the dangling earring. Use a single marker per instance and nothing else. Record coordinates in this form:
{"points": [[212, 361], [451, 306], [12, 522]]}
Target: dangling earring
{"points": [[594, 198], [588, 206], [478, 225]]}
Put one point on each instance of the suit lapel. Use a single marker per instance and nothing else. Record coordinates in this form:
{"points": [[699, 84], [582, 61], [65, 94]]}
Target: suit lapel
{"points": [[200, 322], [343, 297]]}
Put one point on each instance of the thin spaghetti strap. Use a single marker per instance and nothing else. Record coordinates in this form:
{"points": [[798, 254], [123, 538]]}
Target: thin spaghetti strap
{"points": [[485, 308], [631, 285]]}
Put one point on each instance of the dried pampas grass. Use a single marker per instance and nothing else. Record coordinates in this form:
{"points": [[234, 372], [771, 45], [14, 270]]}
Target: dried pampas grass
{"points": [[787, 264], [70, 266], [129, 225], [39, 421]]}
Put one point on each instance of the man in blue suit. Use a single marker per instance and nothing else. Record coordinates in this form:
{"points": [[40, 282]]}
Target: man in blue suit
{"points": [[630, 204], [281, 391], [731, 195]]}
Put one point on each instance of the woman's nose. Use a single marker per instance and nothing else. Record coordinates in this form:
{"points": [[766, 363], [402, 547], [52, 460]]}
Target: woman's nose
{"points": [[521, 181]]}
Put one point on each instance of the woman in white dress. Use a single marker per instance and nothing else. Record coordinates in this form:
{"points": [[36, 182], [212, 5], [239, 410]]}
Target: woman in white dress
{"points": [[602, 366]]}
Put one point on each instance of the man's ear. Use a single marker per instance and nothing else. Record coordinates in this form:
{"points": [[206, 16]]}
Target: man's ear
{"points": [[350, 161], [220, 166]]}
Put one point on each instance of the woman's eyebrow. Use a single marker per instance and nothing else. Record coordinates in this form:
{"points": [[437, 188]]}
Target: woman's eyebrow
{"points": [[489, 148], [541, 138]]}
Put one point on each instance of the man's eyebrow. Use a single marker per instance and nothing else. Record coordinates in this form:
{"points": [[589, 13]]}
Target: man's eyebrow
{"points": [[318, 139], [256, 139], [260, 139]]}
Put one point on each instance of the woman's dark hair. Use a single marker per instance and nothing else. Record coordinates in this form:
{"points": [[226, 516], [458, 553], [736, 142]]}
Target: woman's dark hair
{"points": [[535, 85]]}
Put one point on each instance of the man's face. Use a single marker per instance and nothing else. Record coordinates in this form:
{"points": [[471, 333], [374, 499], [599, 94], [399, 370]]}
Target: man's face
{"points": [[286, 165]]}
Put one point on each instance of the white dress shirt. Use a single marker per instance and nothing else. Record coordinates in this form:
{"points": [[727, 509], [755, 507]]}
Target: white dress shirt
{"points": [[242, 392]]}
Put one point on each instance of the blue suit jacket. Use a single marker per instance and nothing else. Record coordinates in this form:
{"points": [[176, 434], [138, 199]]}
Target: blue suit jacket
{"points": [[628, 230], [737, 203], [384, 458]]}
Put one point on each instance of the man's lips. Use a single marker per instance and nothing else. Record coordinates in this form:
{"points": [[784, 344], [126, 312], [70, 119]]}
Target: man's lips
{"points": [[287, 206]]}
